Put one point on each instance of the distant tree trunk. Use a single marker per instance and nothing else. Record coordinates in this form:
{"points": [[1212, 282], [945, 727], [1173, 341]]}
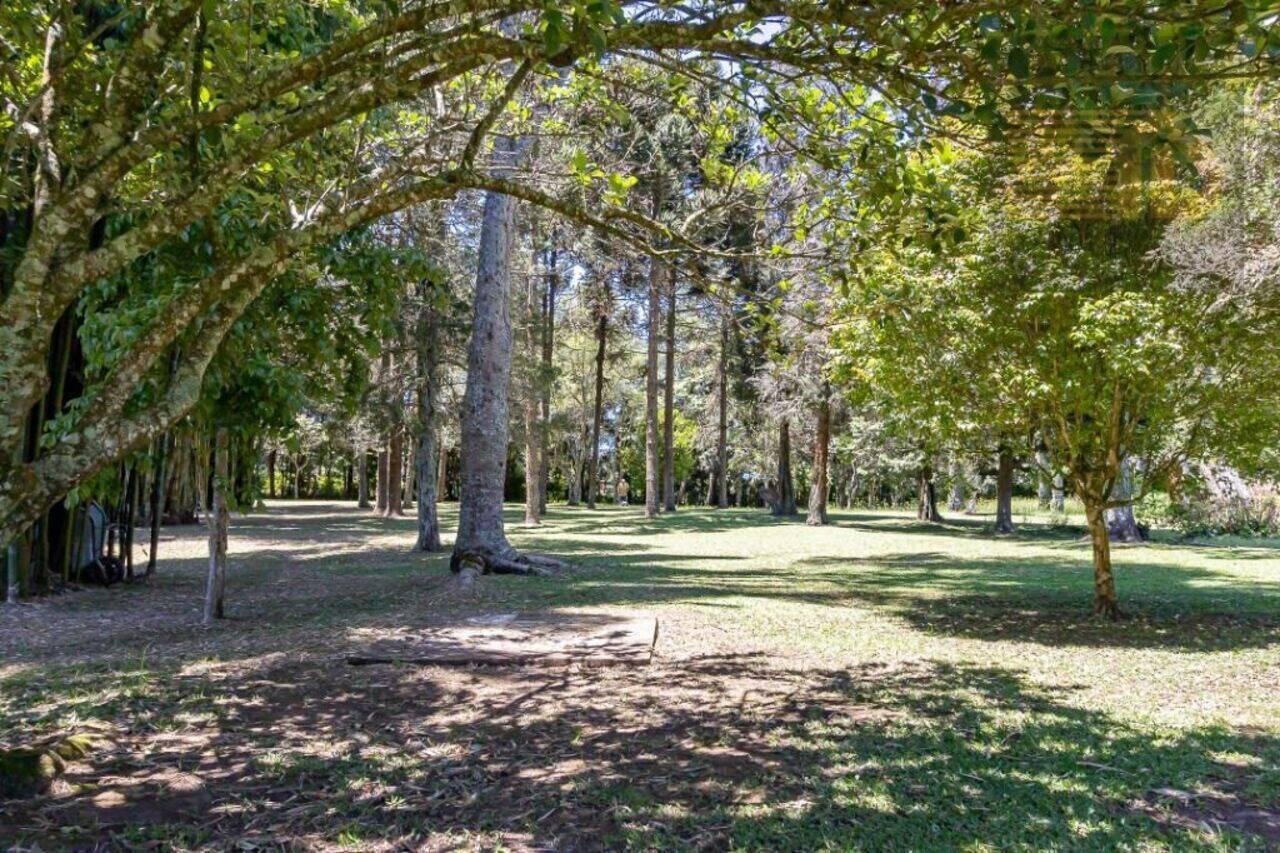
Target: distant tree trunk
{"points": [[395, 472], [1004, 492], [362, 478], [216, 582], [442, 481], [1104, 584], [381, 487], [657, 282], [1058, 500], [1121, 524], [271, 474], [669, 405], [532, 463], [597, 412], [786, 503], [534, 334], [722, 428], [927, 504], [297, 476], [481, 534], [1044, 486], [548, 372], [426, 461], [821, 447], [955, 502], [156, 509]]}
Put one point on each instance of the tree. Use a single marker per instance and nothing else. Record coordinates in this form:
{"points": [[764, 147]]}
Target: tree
{"points": [[106, 117], [1048, 312]]}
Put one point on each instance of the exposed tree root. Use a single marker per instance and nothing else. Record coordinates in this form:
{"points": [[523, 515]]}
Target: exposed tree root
{"points": [[477, 561]]}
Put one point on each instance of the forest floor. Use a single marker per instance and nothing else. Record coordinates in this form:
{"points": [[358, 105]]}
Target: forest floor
{"points": [[877, 684]]}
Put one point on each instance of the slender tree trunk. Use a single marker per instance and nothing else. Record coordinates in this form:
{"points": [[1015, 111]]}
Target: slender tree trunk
{"points": [[1044, 486], [532, 463], [786, 504], [955, 502], [821, 447], [156, 508], [1121, 524], [426, 461], [1058, 500], [271, 474], [481, 533], [395, 472], [442, 481], [1104, 584], [381, 499], [597, 411], [668, 404], [534, 334], [362, 478], [722, 428], [657, 282], [927, 505], [1004, 492], [297, 476], [215, 585], [548, 375]]}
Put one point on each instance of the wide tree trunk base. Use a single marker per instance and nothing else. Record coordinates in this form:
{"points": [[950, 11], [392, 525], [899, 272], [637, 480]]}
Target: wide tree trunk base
{"points": [[1107, 609]]}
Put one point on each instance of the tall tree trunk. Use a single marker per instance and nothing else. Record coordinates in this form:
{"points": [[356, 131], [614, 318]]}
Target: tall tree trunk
{"points": [[548, 375], [1058, 500], [668, 404], [297, 476], [271, 474], [1044, 486], [215, 584], [927, 505], [821, 447], [381, 487], [442, 481], [1104, 583], [657, 282], [362, 478], [395, 472], [534, 335], [156, 508], [722, 428], [428, 351], [786, 504], [481, 534], [1004, 492], [1121, 524], [597, 411], [955, 502]]}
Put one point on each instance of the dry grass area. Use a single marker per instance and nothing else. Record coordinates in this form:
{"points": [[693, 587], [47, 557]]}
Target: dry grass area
{"points": [[878, 684]]}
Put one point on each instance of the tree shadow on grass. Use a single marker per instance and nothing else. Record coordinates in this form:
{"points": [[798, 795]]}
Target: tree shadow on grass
{"points": [[1046, 600], [713, 753]]}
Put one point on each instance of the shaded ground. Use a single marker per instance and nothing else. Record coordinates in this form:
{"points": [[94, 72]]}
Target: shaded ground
{"points": [[878, 684]]}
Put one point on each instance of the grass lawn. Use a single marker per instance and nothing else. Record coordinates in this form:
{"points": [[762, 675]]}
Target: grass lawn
{"points": [[876, 684]]}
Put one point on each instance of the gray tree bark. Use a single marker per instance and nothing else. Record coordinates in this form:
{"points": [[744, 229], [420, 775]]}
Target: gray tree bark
{"points": [[481, 545], [668, 404], [657, 281], [426, 460], [1121, 524]]}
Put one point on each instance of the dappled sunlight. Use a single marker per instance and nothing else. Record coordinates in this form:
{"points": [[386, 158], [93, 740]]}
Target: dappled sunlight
{"points": [[877, 676]]}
